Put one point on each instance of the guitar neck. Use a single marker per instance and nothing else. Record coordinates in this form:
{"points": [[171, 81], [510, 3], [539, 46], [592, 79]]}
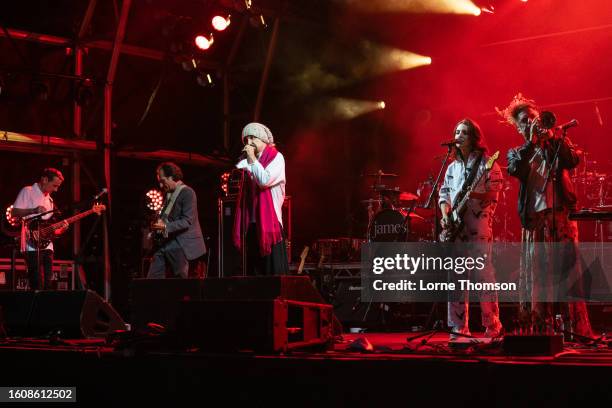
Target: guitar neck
{"points": [[74, 218], [465, 199]]}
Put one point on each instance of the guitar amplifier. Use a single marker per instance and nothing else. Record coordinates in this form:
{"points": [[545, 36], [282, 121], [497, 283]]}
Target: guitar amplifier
{"points": [[62, 277], [229, 260]]}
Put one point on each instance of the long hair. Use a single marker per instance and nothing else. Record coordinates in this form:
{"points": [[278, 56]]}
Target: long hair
{"points": [[474, 133]]}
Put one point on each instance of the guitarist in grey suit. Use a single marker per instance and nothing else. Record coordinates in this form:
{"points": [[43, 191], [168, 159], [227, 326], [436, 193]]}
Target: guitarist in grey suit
{"points": [[468, 176], [177, 231]]}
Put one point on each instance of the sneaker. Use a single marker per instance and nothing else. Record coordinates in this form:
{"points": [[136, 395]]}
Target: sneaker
{"points": [[458, 330]]}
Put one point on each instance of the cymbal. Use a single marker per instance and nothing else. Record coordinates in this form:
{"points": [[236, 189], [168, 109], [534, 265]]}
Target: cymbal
{"points": [[406, 196], [415, 216], [390, 191], [371, 201], [380, 173]]}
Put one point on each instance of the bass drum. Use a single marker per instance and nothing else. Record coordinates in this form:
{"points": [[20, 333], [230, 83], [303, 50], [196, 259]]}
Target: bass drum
{"points": [[388, 226]]}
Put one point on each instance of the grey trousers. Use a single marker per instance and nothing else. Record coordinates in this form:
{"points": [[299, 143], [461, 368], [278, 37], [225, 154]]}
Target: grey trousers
{"points": [[170, 255]]}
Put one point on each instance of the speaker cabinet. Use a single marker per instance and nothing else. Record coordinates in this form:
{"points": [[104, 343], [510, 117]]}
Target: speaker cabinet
{"points": [[73, 314]]}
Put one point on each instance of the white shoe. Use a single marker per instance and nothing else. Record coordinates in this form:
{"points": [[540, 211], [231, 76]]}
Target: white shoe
{"points": [[459, 330]]}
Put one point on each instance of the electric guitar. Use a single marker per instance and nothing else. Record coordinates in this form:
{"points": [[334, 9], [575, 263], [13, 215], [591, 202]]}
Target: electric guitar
{"points": [[41, 232], [157, 233], [451, 232]]}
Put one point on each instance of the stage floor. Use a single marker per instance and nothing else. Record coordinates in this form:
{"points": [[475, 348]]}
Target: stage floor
{"points": [[394, 371]]}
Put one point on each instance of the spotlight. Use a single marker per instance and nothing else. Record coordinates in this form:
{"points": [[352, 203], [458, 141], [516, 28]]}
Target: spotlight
{"points": [[155, 200], [225, 182], [13, 221], [205, 80], [417, 6], [258, 21], [344, 108], [203, 42], [220, 23], [382, 59]]}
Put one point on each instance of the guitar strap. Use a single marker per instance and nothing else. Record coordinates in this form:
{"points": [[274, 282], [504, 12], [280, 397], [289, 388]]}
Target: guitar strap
{"points": [[468, 181], [171, 200]]}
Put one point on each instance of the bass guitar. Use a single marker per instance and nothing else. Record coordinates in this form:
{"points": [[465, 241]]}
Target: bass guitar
{"points": [[41, 232]]}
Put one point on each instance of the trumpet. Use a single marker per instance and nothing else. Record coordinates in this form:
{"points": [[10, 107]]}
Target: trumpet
{"points": [[544, 122]]}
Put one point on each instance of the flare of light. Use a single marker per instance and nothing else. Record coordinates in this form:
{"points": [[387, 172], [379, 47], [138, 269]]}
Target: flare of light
{"points": [[203, 42], [155, 200], [382, 59], [13, 221], [345, 108], [416, 6], [220, 23]]}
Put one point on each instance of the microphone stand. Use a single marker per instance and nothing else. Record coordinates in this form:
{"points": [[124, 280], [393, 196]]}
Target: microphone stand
{"points": [[436, 228], [434, 192], [27, 222], [552, 171]]}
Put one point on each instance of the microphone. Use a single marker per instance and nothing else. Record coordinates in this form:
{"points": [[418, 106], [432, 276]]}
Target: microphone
{"points": [[568, 125], [101, 193], [453, 142], [244, 154]]}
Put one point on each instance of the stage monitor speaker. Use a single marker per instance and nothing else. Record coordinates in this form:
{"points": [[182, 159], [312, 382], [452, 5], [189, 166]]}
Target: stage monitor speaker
{"points": [[73, 314], [157, 300], [288, 287], [274, 326], [229, 259], [16, 308]]}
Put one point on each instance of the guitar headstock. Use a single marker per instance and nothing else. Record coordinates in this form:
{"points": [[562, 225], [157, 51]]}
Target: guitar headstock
{"points": [[492, 160], [98, 208]]}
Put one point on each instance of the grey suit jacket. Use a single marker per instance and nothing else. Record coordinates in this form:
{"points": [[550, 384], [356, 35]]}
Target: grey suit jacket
{"points": [[183, 224]]}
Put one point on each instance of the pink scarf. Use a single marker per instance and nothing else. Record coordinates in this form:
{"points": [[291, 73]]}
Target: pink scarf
{"points": [[259, 200]]}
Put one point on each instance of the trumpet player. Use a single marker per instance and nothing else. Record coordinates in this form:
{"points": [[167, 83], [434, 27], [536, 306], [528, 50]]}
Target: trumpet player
{"points": [[546, 198]]}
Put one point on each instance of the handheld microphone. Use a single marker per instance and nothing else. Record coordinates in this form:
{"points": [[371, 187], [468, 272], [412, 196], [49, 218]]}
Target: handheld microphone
{"points": [[101, 193], [244, 154]]}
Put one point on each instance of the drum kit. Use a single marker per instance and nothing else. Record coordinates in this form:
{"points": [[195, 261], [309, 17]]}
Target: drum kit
{"points": [[395, 215]]}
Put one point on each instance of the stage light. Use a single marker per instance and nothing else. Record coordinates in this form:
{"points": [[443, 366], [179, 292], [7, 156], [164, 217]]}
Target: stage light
{"points": [[394, 59], [345, 108], [488, 10], [203, 42], [225, 182], [416, 6], [13, 221], [205, 80], [220, 23], [155, 200]]}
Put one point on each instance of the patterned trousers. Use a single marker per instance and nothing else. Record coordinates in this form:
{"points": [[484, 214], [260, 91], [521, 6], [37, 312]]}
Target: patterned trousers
{"points": [[547, 270], [477, 230]]}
